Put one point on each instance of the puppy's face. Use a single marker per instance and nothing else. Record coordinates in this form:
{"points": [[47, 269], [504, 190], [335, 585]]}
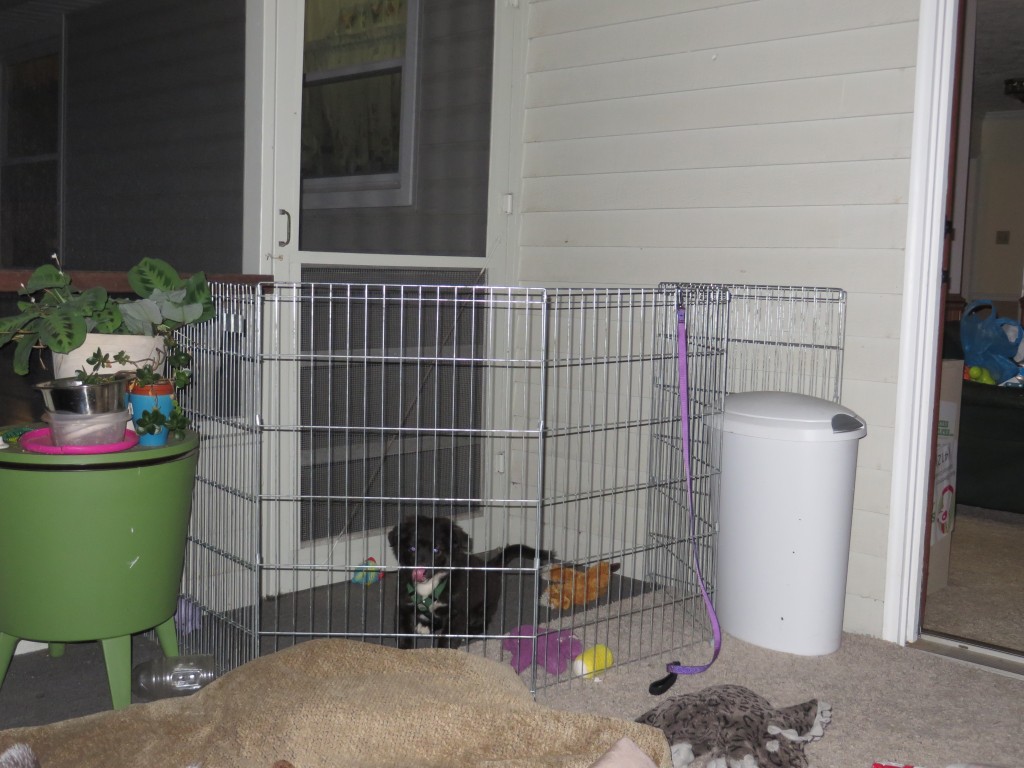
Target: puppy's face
{"points": [[427, 544]]}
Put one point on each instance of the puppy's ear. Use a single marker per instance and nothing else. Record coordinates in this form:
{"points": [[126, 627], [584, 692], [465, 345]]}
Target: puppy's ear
{"points": [[393, 539], [460, 539]]}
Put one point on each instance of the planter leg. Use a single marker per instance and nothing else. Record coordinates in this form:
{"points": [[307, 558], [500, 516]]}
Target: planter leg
{"points": [[168, 637], [56, 650], [7, 645], [117, 652]]}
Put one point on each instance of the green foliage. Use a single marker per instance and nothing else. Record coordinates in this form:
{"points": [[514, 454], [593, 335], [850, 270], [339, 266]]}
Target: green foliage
{"points": [[151, 422], [99, 360], [178, 361], [177, 302], [147, 373], [58, 317], [179, 364]]}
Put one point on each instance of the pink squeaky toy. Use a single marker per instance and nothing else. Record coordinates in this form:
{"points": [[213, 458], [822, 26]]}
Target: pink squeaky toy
{"points": [[556, 648]]}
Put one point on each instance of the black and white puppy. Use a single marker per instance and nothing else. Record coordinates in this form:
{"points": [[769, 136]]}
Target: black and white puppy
{"points": [[443, 589]]}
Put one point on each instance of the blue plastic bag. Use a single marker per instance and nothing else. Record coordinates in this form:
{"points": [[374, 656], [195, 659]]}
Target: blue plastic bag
{"points": [[985, 341]]}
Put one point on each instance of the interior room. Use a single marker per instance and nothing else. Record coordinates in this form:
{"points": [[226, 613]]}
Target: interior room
{"points": [[458, 307], [976, 572]]}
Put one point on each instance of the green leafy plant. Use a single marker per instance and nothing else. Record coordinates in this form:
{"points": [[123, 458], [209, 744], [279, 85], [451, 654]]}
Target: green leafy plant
{"points": [[178, 362], [57, 316], [151, 422], [98, 360], [148, 374]]}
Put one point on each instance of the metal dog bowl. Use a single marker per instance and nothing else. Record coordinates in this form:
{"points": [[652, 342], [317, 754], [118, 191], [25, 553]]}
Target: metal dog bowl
{"points": [[72, 396]]}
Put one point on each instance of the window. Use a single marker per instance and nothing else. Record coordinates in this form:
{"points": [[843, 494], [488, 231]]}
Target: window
{"points": [[358, 103], [29, 161]]}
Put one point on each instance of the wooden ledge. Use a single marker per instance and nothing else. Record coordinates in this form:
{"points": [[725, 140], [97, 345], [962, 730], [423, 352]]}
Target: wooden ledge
{"points": [[115, 282]]}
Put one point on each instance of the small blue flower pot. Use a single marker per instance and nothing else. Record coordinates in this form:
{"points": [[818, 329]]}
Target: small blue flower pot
{"points": [[141, 402]]}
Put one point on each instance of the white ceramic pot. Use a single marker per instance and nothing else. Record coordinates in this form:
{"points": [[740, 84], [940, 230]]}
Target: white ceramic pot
{"points": [[139, 348]]}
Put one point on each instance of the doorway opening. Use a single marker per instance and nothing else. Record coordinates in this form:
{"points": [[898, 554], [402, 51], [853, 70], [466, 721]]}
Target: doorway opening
{"points": [[971, 604]]}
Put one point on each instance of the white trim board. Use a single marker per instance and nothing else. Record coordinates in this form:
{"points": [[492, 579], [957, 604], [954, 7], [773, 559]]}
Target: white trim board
{"points": [[936, 51]]}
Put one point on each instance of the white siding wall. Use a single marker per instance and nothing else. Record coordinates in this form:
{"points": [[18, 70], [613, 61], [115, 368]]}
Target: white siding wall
{"points": [[765, 141]]}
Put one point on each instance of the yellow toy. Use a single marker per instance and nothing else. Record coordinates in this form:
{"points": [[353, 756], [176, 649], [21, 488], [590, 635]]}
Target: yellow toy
{"points": [[593, 660], [570, 586]]}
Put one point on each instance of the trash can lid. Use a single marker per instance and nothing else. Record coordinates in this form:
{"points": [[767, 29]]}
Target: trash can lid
{"points": [[788, 416]]}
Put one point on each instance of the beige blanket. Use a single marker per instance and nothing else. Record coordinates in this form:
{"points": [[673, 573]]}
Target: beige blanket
{"points": [[341, 703]]}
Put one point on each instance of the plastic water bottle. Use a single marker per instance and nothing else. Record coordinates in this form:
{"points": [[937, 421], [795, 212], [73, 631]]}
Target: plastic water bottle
{"points": [[172, 676]]}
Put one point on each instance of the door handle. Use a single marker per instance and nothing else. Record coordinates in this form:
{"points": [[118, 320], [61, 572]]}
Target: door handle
{"points": [[287, 228]]}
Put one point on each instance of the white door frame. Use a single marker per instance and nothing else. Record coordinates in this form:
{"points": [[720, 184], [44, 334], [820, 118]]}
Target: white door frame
{"points": [[258, 187], [915, 393]]}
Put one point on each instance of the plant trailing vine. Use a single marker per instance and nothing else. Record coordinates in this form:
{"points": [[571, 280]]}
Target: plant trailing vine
{"points": [[148, 375]]}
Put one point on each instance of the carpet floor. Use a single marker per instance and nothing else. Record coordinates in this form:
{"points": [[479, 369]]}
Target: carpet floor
{"points": [[983, 600], [889, 703]]}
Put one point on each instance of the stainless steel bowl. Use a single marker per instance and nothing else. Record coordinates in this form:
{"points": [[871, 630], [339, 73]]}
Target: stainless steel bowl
{"points": [[72, 396]]}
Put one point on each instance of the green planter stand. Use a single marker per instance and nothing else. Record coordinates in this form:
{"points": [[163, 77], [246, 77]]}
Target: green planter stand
{"points": [[92, 548]]}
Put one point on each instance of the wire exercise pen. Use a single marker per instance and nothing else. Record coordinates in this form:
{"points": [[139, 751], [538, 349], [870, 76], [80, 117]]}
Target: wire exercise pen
{"points": [[330, 412], [782, 338]]}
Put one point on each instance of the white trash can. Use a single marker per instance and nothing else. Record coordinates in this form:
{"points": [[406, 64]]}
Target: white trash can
{"points": [[785, 511]]}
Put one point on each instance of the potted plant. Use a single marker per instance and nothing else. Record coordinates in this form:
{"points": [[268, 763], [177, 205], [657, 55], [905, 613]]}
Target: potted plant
{"points": [[103, 332], [155, 411], [58, 317]]}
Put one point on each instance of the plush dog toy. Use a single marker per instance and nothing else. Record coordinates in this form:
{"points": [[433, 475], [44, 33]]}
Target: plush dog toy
{"points": [[570, 586], [555, 648], [738, 727]]}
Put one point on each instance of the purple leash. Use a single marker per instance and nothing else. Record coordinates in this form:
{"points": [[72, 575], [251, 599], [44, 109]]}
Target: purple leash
{"points": [[675, 669]]}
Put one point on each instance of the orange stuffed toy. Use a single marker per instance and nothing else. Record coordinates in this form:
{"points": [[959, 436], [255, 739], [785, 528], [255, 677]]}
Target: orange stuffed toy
{"points": [[570, 586]]}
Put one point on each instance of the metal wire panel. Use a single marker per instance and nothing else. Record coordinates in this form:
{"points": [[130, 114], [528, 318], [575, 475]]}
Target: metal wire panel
{"points": [[783, 338], [394, 404], [220, 587], [606, 352], [687, 533], [331, 412], [741, 338]]}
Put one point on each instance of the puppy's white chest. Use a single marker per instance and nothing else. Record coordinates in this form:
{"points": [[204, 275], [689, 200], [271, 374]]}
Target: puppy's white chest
{"points": [[428, 596]]}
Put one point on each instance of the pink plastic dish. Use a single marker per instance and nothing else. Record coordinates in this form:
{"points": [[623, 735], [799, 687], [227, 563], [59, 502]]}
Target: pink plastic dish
{"points": [[41, 441]]}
